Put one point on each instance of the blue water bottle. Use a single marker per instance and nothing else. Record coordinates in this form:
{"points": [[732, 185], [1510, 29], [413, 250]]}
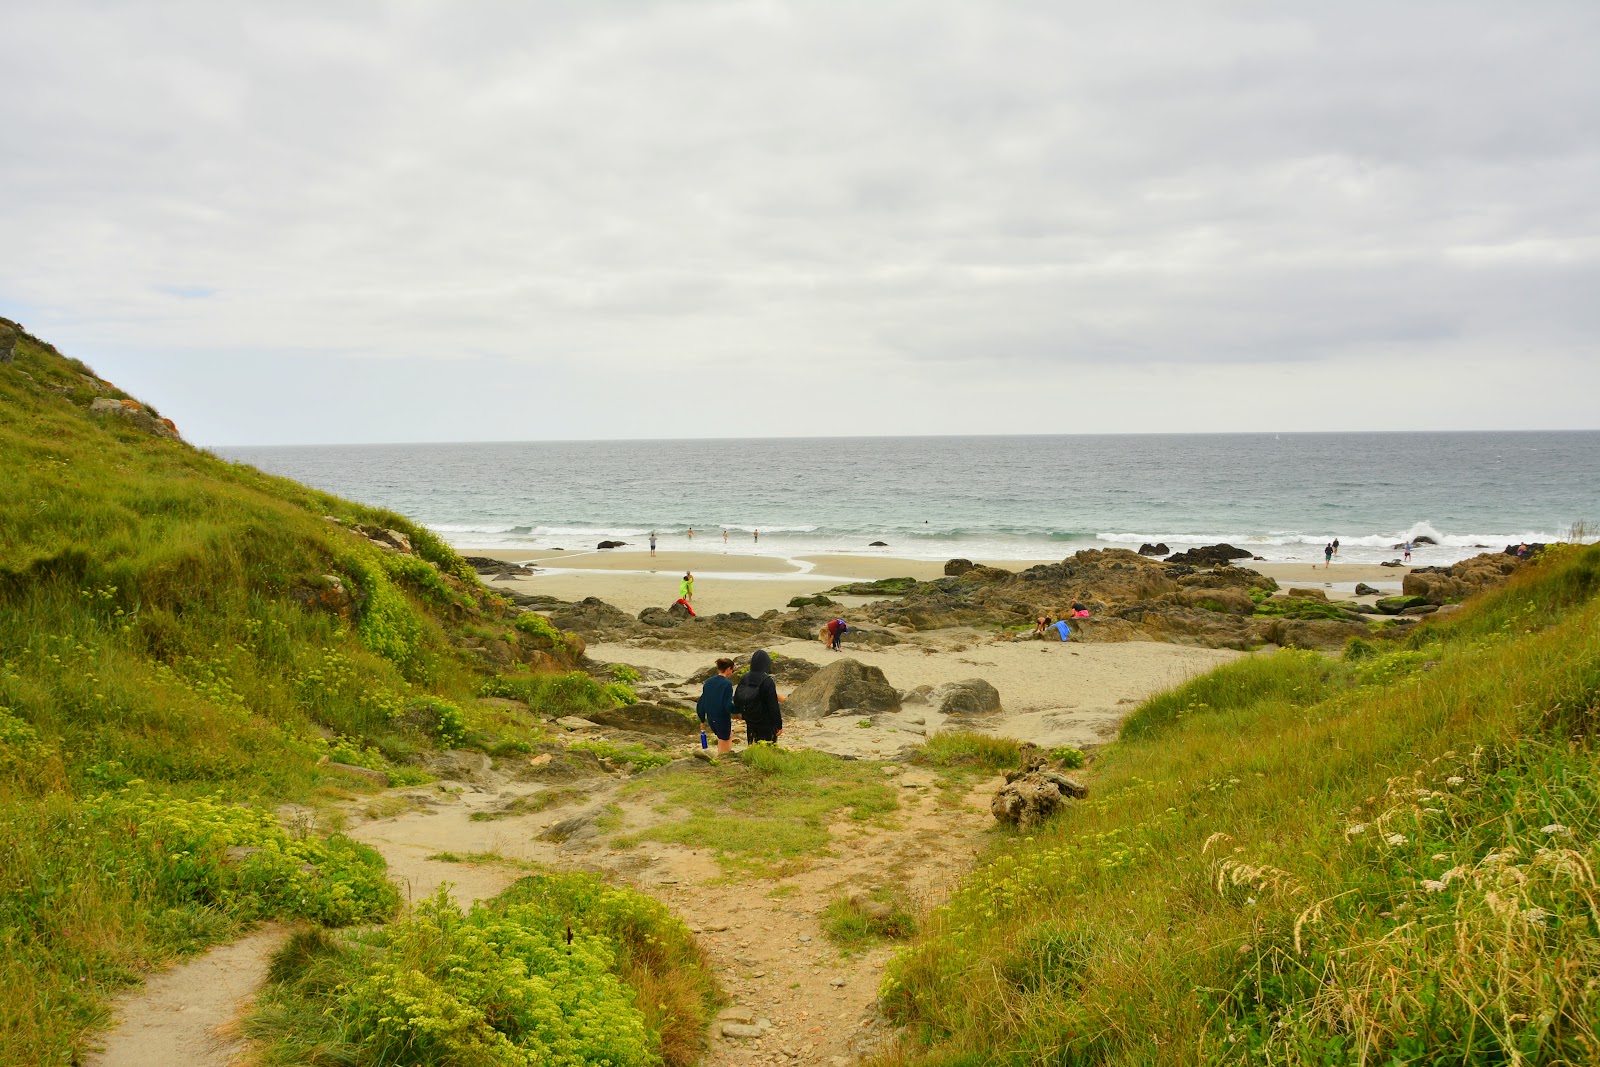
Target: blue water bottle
{"points": [[703, 737]]}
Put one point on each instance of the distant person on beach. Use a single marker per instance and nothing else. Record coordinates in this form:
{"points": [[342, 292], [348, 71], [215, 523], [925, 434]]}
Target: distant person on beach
{"points": [[756, 698], [1327, 556], [836, 631], [1041, 624], [724, 535], [1407, 547], [1522, 550], [716, 706], [691, 533], [1335, 546], [652, 544], [758, 536], [686, 588], [1079, 611]]}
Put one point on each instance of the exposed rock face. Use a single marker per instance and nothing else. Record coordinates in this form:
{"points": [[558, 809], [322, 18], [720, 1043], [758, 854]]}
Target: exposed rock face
{"points": [[844, 683], [392, 540], [1437, 585], [1160, 549], [611, 544], [135, 413], [1363, 589], [955, 568], [661, 617], [326, 593], [1313, 594], [1312, 633], [974, 696], [646, 719], [458, 765], [1209, 555], [590, 615]]}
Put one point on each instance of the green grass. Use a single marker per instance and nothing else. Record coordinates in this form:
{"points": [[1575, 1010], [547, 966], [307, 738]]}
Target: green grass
{"points": [[767, 810], [967, 750], [853, 927], [559, 969], [1387, 858], [178, 630]]}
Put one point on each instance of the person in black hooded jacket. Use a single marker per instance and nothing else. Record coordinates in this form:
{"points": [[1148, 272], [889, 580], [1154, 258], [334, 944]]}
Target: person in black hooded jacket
{"points": [[757, 699]]}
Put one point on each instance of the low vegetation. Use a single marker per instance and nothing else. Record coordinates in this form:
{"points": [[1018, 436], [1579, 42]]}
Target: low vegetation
{"points": [[855, 922], [766, 810], [560, 969], [1384, 858]]}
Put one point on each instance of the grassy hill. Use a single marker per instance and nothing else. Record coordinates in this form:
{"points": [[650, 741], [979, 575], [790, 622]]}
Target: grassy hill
{"points": [[186, 643], [1388, 858]]}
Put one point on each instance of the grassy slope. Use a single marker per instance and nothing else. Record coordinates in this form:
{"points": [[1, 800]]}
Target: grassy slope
{"points": [[164, 657], [1388, 858]]}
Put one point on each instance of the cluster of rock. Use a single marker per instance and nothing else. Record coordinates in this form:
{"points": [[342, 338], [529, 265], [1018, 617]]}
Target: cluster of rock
{"points": [[137, 414], [674, 627], [493, 569]]}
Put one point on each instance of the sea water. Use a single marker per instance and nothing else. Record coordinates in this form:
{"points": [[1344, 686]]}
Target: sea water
{"points": [[1282, 496]]}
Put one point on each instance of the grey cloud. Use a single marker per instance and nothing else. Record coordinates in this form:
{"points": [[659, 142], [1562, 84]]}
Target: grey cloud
{"points": [[607, 193]]}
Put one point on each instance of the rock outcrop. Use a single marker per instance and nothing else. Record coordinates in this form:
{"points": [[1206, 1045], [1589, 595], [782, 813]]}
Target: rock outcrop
{"points": [[844, 683], [1440, 585], [1034, 793], [646, 718], [1159, 549], [136, 413], [955, 568]]}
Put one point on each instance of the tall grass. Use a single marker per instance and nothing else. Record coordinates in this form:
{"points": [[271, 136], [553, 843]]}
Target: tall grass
{"points": [[1295, 859]]}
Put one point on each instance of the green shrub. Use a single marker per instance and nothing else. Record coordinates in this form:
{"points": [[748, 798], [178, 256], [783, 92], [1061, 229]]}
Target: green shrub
{"points": [[641, 758], [552, 695], [1069, 757], [854, 923], [441, 719], [560, 970]]}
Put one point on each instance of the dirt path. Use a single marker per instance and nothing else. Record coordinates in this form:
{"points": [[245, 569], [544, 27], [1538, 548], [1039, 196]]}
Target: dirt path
{"points": [[182, 1015], [763, 936]]}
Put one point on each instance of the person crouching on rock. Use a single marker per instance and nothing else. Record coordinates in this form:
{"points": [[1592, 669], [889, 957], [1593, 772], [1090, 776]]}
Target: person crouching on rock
{"points": [[716, 706], [756, 698], [1040, 625]]}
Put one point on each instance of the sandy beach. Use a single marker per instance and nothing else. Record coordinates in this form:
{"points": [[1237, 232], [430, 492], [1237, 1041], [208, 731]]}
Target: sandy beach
{"points": [[1052, 693]]}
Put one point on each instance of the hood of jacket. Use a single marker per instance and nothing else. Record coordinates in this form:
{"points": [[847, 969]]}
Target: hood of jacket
{"points": [[761, 662]]}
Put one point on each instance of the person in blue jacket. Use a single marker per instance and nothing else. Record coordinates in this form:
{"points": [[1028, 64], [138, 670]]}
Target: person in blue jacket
{"points": [[716, 706]]}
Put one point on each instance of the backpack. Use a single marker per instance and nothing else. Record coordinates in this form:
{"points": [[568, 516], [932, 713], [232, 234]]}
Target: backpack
{"points": [[744, 694]]}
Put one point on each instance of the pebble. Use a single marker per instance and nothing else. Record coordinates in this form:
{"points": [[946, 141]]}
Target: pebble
{"points": [[743, 1031], [737, 1015], [805, 937], [837, 983]]}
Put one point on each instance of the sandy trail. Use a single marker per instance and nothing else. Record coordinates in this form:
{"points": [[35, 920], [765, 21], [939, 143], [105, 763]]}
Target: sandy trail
{"points": [[182, 1015], [763, 936]]}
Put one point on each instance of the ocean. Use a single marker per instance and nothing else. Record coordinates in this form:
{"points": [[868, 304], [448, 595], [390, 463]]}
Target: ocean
{"points": [[1283, 496]]}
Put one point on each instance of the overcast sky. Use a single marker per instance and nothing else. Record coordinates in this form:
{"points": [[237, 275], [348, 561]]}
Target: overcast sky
{"points": [[323, 222]]}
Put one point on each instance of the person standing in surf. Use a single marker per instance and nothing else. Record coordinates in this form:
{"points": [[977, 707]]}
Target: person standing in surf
{"points": [[1327, 556], [652, 544]]}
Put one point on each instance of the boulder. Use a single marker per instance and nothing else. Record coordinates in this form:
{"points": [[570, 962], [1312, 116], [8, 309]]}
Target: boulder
{"points": [[1230, 601], [955, 568], [844, 683], [1312, 633], [974, 696], [1394, 605], [646, 718], [680, 611], [1436, 585], [1160, 549], [611, 544], [787, 670], [1313, 594], [988, 574], [1363, 589], [326, 592], [661, 617], [878, 544], [818, 601], [391, 540], [1210, 555], [1423, 540], [1391, 563], [591, 616]]}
